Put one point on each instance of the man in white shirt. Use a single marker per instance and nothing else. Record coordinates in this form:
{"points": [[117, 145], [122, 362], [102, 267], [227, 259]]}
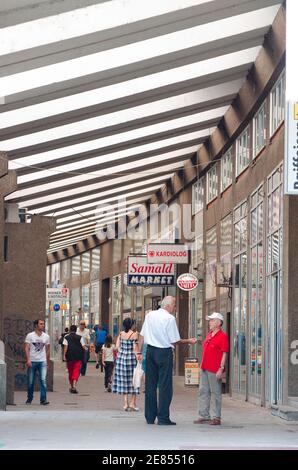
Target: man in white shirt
{"points": [[37, 351], [160, 333], [84, 332]]}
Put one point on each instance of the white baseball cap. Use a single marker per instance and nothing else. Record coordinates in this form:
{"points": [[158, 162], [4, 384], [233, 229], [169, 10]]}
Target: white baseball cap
{"points": [[214, 316]]}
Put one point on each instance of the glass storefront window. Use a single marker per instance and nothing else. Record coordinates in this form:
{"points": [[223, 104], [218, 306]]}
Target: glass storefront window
{"points": [[259, 130], [126, 295], [277, 104], [65, 269], [116, 304], [55, 275], [240, 298], [95, 263], [274, 287], [226, 170], [94, 303], [256, 301], [75, 303], [212, 184], [48, 276], [86, 262], [211, 261], [224, 276], [86, 301], [242, 152], [76, 266], [197, 196]]}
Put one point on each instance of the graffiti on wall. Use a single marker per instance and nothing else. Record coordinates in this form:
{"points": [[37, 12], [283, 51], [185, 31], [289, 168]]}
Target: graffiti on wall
{"points": [[15, 329]]}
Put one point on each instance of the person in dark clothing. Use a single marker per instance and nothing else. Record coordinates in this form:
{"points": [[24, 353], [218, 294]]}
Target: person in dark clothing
{"points": [[74, 354], [60, 341], [160, 333], [100, 337]]}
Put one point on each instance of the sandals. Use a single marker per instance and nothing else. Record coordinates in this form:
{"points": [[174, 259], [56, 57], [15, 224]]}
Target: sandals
{"points": [[126, 408], [134, 408]]}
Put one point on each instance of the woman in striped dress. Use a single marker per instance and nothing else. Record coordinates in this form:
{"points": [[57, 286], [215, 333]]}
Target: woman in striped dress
{"points": [[125, 363]]}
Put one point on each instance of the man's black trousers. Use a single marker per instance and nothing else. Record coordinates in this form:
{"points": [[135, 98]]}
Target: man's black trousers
{"points": [[159, 376]]}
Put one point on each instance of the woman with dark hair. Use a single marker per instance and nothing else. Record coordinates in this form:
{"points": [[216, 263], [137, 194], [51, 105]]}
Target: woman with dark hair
{"points": [[125, 363], [74, 355], [108, 361]]}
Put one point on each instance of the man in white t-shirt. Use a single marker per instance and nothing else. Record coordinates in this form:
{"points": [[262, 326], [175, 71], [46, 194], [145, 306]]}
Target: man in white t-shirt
{"points": [[37, 351], [84, 332], [160, 333]]}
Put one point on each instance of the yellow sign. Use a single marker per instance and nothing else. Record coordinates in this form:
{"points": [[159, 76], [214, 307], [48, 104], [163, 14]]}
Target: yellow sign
{"points": [[296, 111]]}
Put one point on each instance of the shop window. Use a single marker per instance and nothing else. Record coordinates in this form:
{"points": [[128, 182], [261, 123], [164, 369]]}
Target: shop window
{"points": [[259, 131], [212, 184], [240, 298], [95, 263], [55, 275], [256, 326], [197, 196], [226, 170], [86, 262], [126, 295], [211, 261], [76, 266], [277, 104], [94, 303], [242, 152], [65, 269]]}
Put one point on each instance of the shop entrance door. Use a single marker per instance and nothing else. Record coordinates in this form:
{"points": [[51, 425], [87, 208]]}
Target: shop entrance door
{"points": [[275, 340]]}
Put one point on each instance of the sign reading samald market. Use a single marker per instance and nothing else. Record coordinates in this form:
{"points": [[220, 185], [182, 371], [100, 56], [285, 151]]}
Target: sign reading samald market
{"points": [[141, 273], [167, 253], [187, 282]]}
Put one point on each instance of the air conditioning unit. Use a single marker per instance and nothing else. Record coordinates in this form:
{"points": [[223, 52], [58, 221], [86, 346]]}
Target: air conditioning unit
{"points": [[11, 212]]}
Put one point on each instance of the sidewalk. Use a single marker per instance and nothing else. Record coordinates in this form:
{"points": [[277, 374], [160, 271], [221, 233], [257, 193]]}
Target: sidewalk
{"points": [[95, 420]]}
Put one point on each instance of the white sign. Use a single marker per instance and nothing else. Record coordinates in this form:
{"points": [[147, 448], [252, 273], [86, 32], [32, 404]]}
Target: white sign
{"points": [[140, 273], [191, 371], [291, 148], [57, 295], [187, 282], [167, 253]]}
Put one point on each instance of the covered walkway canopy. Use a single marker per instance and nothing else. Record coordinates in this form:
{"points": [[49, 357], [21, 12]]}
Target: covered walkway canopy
{"points": [[106, 99]]}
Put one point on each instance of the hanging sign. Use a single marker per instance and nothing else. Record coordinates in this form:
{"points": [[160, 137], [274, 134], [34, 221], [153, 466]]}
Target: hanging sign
{"points": [[187, 282], [141, 273], [167, 253]]}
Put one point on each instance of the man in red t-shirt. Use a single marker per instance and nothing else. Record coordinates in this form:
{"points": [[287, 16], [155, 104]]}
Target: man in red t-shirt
{"points": [[215, 349]]}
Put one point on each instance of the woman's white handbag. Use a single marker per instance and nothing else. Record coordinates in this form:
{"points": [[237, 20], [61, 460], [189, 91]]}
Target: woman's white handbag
{"points": [[137, 376]]}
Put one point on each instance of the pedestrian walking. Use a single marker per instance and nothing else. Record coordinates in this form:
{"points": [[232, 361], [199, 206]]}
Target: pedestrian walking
{"points": [[100, 337], [125, 363], [37, 352], [83, 331], [215, 349], [74, 351], [108, 361], [60, 341], [160, 333]]}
